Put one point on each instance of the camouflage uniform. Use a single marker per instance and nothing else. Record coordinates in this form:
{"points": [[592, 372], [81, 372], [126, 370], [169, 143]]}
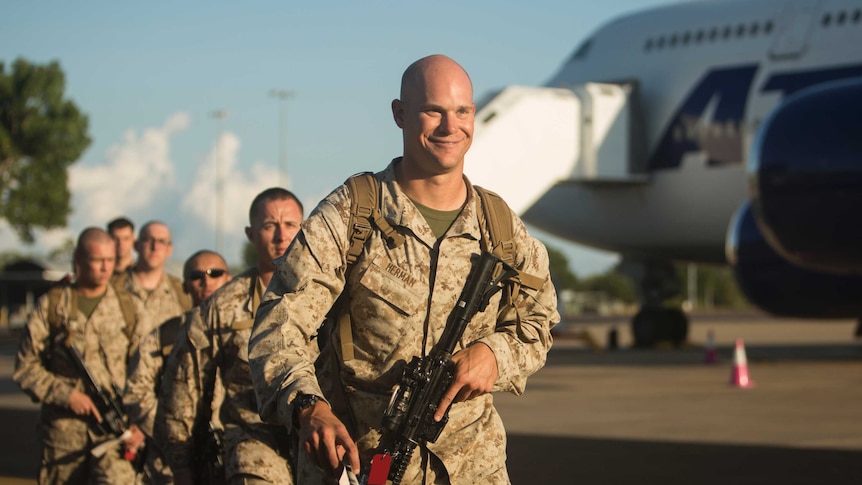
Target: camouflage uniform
{"points": [[217, 344], [48, 376], [163, 306], [400, 300]]}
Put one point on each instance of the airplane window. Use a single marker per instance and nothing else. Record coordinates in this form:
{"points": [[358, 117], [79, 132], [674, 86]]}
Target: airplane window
{"points": [[685, 38], [857, 14], [754, 28], [673, 40], [768, 27], [842, 16], [713, 34], [726, 33], [648, 44], [827, 19], [699, 37], [660, 42]]}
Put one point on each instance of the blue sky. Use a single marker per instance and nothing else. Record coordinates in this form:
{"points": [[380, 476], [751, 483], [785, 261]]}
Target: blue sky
{"points": [[150, 75]]}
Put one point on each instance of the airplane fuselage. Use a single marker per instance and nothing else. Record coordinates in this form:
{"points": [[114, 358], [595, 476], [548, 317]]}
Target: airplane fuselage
{"points": [[707, 74]]}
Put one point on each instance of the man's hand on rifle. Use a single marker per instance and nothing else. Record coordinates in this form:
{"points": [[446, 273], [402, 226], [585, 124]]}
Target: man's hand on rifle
{"points": [[475, 374], [134, 442], [82, 405], [325, 439]]}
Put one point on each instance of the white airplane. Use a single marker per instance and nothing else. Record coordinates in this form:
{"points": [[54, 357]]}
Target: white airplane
{"points": [[668, 130]]}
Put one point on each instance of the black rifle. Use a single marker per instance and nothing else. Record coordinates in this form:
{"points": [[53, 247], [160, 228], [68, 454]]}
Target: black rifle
{"points": [[207, 442], [410, 414], [113, 422], [208, 456]]}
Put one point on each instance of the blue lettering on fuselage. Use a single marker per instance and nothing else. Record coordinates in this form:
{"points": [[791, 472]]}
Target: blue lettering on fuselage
{"points": [[710, 119]]}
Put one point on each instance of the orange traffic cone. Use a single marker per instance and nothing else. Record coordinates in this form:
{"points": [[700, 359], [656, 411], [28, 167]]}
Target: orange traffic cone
{"points": [[710, 357], [739, 374]]}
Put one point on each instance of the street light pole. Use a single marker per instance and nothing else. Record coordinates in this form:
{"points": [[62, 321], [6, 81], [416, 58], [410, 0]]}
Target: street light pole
{"points": [[283, 95], [219, 116]]}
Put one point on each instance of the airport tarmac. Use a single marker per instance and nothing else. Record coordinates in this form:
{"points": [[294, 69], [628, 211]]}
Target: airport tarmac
{"points": [[645, 416]]}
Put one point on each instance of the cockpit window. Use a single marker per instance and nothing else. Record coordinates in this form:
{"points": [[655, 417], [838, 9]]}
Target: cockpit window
{"points": [[582, 50]]}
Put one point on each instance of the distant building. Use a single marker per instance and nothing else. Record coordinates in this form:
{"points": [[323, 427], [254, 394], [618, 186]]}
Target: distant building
{"points": [[21, 283]]}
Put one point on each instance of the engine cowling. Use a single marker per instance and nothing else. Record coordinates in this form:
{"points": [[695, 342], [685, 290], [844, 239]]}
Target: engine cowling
{"points": [[781, 288], [805, 174]]}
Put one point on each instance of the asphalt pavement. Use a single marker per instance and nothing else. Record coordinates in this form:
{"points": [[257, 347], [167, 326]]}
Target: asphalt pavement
{"points": [[625, 416]]}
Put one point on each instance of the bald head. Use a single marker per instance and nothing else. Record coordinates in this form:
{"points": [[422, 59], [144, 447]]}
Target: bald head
{"points": [[415, 79], [435, 114]]}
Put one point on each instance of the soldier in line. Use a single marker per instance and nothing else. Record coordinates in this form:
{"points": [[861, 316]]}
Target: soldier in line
{"points": [[217, 344], [123, 232], [204, 272], [89, 315], [398, 299], [161, 298]]}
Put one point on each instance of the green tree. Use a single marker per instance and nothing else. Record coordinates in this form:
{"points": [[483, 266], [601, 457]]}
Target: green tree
{"points": [[249, 255], [41, 134], [716, 286], [616, 285], [561, 274]]}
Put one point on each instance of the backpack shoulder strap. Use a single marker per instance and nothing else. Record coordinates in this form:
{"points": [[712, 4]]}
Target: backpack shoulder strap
{"points": [[498, 220], [364, 192], [55, 320], [183, 298], [127, 307]]}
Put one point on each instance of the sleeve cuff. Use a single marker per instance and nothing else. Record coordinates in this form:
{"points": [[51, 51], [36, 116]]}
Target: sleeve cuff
{"points": [[508, 374]]}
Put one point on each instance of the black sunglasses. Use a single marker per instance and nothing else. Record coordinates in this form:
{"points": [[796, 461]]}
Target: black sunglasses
{"points": [[212, 272]]}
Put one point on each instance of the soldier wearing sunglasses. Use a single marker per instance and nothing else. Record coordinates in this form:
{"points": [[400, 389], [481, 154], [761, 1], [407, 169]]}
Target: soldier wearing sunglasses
{"points": [[217, 344]]}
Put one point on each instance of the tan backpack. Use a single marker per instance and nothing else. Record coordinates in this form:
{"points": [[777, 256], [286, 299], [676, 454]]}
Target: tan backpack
{"points": [[495, 217], [56, 320]]}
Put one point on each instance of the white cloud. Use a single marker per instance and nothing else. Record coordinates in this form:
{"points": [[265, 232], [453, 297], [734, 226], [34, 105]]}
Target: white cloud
{"points": [[240, 187], [136, 172]]}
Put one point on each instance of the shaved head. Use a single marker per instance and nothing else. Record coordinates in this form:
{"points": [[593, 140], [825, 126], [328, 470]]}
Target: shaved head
{"points": [[95, 257], [414, 81], [88, 236], [435, 114]]}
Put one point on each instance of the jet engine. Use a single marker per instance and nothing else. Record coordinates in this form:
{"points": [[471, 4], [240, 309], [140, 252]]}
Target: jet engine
{"points": [[782, 288], [805, 176]]}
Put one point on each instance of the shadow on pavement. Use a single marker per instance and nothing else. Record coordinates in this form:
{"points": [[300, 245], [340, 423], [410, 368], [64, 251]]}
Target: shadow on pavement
{"points": [[558, 460], [19, 448]]}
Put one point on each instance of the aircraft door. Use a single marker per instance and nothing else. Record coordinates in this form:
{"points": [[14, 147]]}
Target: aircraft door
{"points": [[793, 27]]}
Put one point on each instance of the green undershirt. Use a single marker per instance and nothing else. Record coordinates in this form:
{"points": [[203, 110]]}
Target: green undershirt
{"points": [[87, 305], [438, 221]]}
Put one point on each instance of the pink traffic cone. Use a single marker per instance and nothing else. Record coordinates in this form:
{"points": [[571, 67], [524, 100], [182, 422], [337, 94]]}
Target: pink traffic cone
{"points": [[711, 356], [739, 375]]}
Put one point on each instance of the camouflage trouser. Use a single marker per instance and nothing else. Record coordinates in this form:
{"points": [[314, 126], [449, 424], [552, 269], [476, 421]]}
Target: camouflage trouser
{"points": [[427, 470], [250, 460], [66, 457], [156, 470]]}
